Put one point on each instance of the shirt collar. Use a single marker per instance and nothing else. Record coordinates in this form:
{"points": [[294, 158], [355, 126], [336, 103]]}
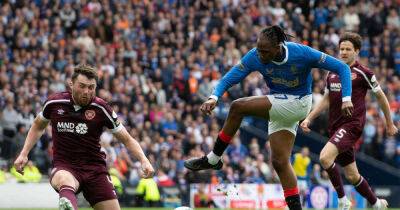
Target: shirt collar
{"points": [[286, 56]]}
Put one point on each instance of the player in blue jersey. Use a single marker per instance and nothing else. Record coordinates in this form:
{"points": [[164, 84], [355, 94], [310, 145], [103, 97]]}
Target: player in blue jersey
{"points": [[286, 68]]}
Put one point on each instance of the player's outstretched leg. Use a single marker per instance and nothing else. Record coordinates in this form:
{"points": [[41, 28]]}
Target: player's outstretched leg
{"points": [[327, 159], [257, 106], [362, 186], [68, 199], [281, 147]]}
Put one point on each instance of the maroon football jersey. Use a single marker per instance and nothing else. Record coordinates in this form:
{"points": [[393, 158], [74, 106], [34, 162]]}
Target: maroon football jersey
{"points": [[362, 80], [76, 130]]}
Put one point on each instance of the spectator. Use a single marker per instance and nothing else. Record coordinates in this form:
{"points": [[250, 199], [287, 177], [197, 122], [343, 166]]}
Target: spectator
{"points": [[148, 192], [31, 174]]}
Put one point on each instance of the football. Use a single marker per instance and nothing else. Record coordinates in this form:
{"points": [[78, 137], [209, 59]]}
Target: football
{"points": [[183, 208]]}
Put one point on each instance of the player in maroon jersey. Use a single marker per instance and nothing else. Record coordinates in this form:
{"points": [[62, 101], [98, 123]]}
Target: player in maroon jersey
{"points": [[345, 131], [77, 120]]}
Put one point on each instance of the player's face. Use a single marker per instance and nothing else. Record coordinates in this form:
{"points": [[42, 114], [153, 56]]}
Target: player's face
{"points": [[267, 50], [347, 52], [83, 90]]}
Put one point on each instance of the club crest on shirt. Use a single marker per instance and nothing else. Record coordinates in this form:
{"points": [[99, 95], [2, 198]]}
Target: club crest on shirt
{"points": [[90, 114]]}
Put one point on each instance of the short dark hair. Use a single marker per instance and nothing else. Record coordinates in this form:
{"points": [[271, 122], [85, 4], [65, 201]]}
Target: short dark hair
{"points": [[352, 37], [86, 70], [275, 33]]}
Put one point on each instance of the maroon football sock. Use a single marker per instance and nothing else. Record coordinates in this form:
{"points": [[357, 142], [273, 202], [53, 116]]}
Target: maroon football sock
{"points": [[69, 193], [364, 189], [336, 179]]}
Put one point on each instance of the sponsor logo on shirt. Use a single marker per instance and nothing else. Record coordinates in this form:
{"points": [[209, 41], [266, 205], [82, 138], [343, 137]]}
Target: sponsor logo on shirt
{"points": [[79, 128], [288, 83], [335, 87]]}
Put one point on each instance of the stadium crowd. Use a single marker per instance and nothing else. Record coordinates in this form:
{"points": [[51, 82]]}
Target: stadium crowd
{"points": [[159, 60]]}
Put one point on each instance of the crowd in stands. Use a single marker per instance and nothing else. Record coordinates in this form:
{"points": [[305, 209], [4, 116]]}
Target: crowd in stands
{"points": [[159, 60]]}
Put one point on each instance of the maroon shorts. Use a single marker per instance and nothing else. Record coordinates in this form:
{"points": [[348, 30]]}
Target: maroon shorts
{"points": [[95, 183], [344, 138]]}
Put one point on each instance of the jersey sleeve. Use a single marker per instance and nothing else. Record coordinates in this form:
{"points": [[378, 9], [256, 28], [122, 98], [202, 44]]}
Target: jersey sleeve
{"points": [[112, 121], [321, 60], [370, 79], [46, 110], [236, 74], [45, 113]]}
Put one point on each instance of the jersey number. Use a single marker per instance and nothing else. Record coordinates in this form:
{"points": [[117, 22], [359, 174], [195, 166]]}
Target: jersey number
{"points": [[340, 135]]}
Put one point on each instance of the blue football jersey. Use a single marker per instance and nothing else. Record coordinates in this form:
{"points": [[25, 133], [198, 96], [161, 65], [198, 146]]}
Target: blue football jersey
{"points": [[290, 76]]}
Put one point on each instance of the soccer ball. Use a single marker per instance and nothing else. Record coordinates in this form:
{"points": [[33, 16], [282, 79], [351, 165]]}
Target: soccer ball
{"points": [[183, 208]]}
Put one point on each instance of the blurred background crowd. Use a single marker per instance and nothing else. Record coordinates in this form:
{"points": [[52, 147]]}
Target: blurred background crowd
{"points": [[159, 60]]}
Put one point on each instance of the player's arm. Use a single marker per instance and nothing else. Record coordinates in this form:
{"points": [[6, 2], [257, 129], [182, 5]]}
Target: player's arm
{"points": [[321, 60], [384, 104], [34, 133], [134, 147], [373, 84], [235, 75], [320, 107]]}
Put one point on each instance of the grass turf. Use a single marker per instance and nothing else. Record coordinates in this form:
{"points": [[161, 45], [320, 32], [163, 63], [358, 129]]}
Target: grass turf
{"points": [[153, 209]]}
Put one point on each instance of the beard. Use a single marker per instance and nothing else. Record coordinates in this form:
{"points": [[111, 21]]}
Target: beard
{"points": [[81, 100]]}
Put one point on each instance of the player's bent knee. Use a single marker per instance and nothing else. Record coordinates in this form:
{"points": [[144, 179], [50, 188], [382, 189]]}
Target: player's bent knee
{"points": [[63, 178], [237, 106], [325, 160]]}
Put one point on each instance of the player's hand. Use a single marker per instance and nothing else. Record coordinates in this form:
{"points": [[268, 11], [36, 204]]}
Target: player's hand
{"points": [[147, 169], [20, 163], [304, 125], [391, 129], [208, 106], [347, 108]]}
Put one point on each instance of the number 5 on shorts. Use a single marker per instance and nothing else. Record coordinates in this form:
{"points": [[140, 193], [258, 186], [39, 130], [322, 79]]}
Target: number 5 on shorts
{"points": [[340, 134]]}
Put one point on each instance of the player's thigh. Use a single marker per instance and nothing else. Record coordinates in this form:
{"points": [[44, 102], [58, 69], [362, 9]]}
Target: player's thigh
{"points": [[257, 106], [281, 143], [97, 188], [64, 177], [107, 205], [346, 136]]}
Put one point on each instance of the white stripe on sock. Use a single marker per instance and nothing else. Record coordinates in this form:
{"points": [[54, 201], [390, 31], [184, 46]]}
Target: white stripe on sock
{"points": [[358, 184]]}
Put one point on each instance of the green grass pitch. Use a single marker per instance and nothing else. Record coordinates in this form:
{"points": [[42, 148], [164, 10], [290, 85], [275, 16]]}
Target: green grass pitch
{"points": [[157, 209]]}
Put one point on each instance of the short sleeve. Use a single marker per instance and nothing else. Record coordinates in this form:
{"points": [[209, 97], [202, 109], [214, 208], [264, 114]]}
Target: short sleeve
{"points": [[370, 79], [111, 121]]}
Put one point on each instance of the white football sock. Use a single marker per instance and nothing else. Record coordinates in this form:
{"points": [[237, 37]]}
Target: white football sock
{"points": [[377, 203], [343, 199], [213, 158]]}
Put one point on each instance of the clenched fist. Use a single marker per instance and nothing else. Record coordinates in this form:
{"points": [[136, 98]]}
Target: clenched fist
{"points": [[208, 106]]}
